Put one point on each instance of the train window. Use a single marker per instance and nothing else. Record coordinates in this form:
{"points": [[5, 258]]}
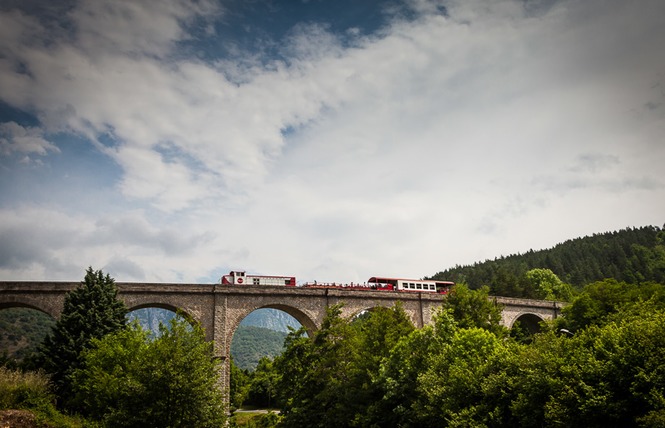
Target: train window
{"points": [[256, 281], [286, 282], [419, 287]]}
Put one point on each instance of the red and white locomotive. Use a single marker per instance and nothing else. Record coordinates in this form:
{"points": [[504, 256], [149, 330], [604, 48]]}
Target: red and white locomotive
{"points": [[237, 277]]}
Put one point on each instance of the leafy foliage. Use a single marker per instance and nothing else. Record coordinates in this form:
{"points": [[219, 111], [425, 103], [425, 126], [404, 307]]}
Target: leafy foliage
{"points": [[601, 299], [131, 380], [90, 312], [461, 371], [239, 386], [473, 308], [328, 381], [262, 390], [632, 255]]}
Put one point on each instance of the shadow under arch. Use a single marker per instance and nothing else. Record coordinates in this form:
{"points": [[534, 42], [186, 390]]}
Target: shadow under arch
{"points": [[530, 322]]}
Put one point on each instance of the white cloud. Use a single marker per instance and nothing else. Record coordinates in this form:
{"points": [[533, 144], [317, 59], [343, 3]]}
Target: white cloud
{"points": [[15, 138], [445, 140]]}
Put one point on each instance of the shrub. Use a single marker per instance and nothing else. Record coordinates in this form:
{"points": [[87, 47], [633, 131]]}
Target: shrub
{"points": [[20, 390]]}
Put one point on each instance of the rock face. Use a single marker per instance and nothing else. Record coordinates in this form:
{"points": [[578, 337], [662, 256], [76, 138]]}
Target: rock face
{"points": [[150, 318], [272, 319]]}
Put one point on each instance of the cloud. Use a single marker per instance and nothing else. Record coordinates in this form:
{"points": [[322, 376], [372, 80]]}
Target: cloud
{"points": [[126, 27], [594, 162], [444, 138], [47, 242], [15, 138]]}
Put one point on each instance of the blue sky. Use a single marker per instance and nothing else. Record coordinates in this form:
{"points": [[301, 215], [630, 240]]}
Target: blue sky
{"points": [[176, 140]]}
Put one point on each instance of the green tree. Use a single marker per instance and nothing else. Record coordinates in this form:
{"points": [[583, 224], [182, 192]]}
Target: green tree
{"points": [[331, 380], [451, 387], [378, 333], [548, 286], [397, 406], [604, 375], [239, 386], [263, 384], [599, 300], [131, 380], [90, 311], [296, 381], [474, 308], [335, 353]]}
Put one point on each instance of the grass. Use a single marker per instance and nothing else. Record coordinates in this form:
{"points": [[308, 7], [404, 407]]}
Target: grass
{"points": [[32, 391], [257, 419]]}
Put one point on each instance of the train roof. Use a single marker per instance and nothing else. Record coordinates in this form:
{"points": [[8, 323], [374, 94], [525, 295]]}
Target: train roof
{"points": [[260, 276], [375, 278]]}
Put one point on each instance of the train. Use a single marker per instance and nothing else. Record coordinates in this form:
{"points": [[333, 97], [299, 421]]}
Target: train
{"points": [[418, 285], [374, 283], [238, 277]]}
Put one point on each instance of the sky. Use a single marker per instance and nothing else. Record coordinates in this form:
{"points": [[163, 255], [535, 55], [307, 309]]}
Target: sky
{"points": [[174, 141]]}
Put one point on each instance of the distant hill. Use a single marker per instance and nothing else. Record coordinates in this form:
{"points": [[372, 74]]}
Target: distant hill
{"points": [[272, 319], [22, 330], [630, 255]]}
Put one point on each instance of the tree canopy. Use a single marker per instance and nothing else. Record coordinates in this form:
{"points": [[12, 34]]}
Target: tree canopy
{"points": [[464, 371], [632, 255], [129, 379], [329, 380], [90, 311]]}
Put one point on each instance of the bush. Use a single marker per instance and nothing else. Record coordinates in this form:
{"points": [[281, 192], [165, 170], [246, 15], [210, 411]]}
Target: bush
{"points": [[20, 390], [26, 398]]}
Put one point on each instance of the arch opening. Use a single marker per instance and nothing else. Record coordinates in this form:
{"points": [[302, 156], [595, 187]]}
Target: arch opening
{"points": [[258, 338], [525, 326], [261, 333], [150, 317], [22, 329]]}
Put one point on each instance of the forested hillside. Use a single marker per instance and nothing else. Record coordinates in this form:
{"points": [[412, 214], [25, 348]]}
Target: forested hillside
{"points": [[630, 255], [251, 343], [21, 330]]}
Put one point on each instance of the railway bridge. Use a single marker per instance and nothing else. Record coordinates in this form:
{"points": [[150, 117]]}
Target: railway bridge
{"points": [[220, 308]]}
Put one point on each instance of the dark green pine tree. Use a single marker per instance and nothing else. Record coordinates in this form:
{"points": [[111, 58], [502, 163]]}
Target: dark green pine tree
{"points": [[91, 310]]}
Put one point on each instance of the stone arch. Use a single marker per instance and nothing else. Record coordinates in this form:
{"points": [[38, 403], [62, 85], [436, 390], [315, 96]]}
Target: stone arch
{"points": [[530, 321], [180, 311], [296, 313], [357, 312], [47, 309]]}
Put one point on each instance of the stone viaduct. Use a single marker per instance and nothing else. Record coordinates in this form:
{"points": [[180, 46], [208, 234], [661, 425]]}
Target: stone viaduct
{"points": [[220, 308]]}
